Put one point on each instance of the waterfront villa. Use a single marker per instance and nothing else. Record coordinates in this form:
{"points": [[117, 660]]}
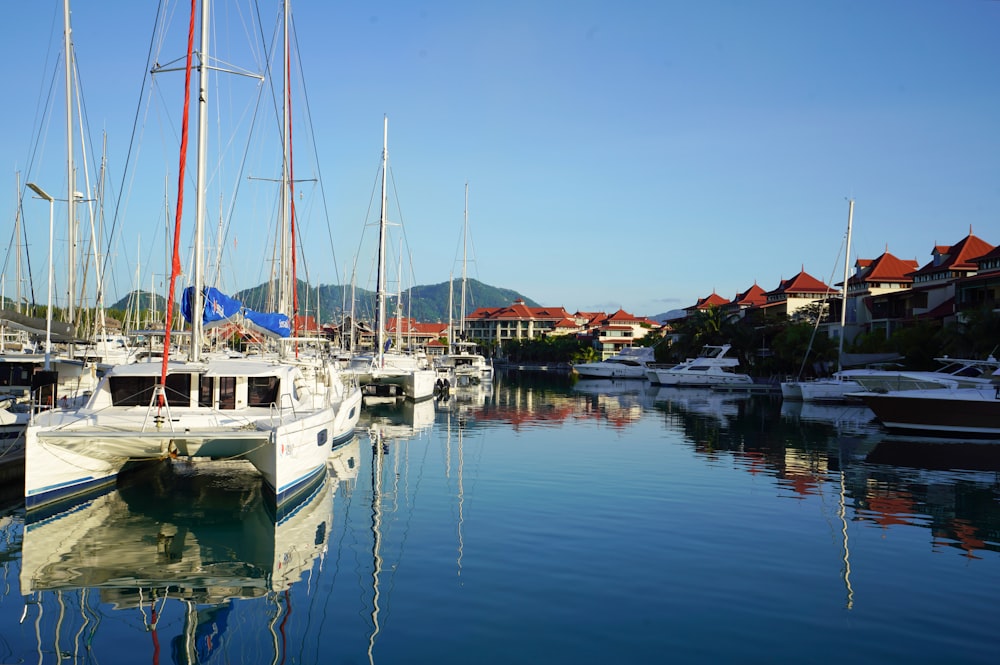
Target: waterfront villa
{"points": [[796, 293], [884, 293], [516, 321], [610, 333]]}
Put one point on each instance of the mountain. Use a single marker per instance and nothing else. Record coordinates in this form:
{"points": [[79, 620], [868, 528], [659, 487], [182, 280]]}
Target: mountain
{"points": [[669, 316], [145, 302], [427, 303]]}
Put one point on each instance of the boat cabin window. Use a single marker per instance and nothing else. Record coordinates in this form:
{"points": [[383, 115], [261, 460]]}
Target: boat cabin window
{"points": [[16, 374], [206, 391], [227, 392], [262, 390], [138, 390]]}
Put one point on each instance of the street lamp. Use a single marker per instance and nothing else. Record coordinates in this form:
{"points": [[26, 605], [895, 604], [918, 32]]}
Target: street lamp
{"points": [[48, 314]]}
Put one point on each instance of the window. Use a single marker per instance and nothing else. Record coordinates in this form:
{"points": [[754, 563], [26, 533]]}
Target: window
{"points": [[206, 391], [262, 390], [138, 390], [227, 392]]}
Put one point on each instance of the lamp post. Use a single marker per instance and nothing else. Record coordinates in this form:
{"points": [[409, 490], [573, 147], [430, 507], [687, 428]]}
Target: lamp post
{"points": [[48, 313]]}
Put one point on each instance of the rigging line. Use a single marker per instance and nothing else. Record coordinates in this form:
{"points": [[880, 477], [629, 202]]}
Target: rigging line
{"points": [[175, 262], [132, 135], [309, 122], [406, 240], [44, 117], [819, 316]]}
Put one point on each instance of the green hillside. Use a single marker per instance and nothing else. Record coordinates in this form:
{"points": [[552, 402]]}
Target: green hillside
{"points": [[427, 303]]}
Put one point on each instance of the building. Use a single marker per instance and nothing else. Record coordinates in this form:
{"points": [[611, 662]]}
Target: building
{"points": [[516, 321], [795, 294], [610, 334], [872, 293]]}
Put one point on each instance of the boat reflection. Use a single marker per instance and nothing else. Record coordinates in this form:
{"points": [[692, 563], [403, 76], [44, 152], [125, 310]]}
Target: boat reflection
{"points": [[948, 487], [465, 395], [841, 415], [400, 418], [704, 403], [200, 538]]}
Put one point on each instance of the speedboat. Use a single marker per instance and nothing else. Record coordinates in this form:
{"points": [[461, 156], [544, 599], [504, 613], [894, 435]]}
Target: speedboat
{"points": [[710, 368], [629, 363], [951, 412]]}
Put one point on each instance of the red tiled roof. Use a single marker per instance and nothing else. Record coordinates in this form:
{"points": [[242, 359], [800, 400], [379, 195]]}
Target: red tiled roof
{"points": [[622, 315], [886, 268], [754, 296], [802, 283], [519, 311], [713, 300], [412, 327], [956, 257], [992, 254]]}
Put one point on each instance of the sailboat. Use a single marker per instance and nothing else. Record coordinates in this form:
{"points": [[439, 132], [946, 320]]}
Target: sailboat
{"points": [[382, 372], [50, 378], [835, 387], [463, 359], [271, 412]]}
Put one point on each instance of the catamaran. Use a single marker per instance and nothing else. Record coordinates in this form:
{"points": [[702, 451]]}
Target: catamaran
{"points": [[282, 416]]}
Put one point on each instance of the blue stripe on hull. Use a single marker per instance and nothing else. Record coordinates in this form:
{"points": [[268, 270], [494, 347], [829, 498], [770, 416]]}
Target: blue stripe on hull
{"points": [[51, 501]]}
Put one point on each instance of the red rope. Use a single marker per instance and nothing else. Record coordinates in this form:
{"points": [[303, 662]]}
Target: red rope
{"points": [[156, 641], [281, 628], [175, 265]]}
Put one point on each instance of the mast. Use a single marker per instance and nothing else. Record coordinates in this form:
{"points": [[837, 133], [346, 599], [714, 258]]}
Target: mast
{"points": [[399, 301], [71, 195], [197, 297], [285, 222], [17, 255], [451, 308], [136, 304], [382, 223], [847, 268], [465, 243]]}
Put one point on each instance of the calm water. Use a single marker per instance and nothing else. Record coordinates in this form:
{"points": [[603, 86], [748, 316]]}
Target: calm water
{"points": [[545, 522]]}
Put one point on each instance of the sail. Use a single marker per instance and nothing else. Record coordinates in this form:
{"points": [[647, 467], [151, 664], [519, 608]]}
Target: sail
{"points": [[272, 324], [219, 307]]}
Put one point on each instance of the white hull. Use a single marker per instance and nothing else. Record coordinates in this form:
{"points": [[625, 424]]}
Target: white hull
{"points": [[791, 390], [631, 363], [416, 383], [610, 371], [667, 377], [71, 453], [709, 369], [956, 373], [827, 390]]}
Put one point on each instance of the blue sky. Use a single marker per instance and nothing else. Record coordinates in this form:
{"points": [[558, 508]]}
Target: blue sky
{"points": [[638, 155]]}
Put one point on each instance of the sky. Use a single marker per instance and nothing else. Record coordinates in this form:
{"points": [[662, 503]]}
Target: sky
{"points": [[635, 155]]}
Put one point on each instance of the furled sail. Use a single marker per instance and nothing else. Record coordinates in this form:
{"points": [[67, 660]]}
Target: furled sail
{"points": [[61, 332], [219, 307]]}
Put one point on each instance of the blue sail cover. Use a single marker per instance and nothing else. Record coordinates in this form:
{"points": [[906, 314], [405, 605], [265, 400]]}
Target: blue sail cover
{"points": [[219, 307], [274, 324]]}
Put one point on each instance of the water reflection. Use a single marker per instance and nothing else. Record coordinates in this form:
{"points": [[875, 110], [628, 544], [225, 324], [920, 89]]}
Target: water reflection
{"points": [[392, 430], [176, 543], [464, 503], [948, 487]]}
